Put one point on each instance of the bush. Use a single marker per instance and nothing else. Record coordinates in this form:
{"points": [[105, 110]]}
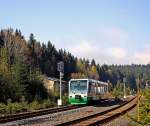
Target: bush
{"points": [[145, 108], [34, 105], [64, 100], [24, 106], [2, 108], [16, 107], [47, 103]]}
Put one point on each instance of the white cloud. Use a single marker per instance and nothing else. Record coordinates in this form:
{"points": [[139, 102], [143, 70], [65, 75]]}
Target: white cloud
{"points": [[86, 49], [111, 47], [82, 47], [142, 57], [117, 53]]}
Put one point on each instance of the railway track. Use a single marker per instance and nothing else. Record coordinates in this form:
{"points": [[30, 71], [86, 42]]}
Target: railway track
{"points": [[25, 115], [103, 117]]}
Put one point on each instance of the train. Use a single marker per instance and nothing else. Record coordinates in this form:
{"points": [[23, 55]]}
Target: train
{"points": [[82, 91]]}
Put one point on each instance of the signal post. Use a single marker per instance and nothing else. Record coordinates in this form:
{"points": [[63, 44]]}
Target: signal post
{"points": [[60, 68]]}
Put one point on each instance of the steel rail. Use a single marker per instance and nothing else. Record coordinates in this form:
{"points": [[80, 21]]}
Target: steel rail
{"points": [[113, 115], [25, 115], [103, 115]]}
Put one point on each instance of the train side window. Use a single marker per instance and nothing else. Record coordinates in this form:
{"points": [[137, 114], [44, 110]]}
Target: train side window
{"points": [[90, 89]]}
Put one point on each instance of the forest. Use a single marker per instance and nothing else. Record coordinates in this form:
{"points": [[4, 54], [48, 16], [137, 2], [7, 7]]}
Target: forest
{"points": [[23, 62]]}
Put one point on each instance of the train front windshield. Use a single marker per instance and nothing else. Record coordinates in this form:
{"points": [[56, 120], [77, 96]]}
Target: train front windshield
{"points": [[78, 86]]}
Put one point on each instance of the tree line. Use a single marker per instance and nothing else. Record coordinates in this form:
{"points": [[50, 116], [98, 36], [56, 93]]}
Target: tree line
{"points": [[23, 62]]}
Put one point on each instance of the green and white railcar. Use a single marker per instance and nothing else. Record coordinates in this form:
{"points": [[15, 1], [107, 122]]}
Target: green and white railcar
{"points": [[81, 91]]}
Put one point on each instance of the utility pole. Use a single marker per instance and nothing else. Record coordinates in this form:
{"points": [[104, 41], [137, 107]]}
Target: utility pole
{"points": [[60, 68], [60, 88], [124, 87], [138, 102]]}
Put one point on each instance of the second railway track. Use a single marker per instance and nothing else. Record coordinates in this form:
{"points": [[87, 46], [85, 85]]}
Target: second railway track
{"points": [[25, 115], [103, 117]]}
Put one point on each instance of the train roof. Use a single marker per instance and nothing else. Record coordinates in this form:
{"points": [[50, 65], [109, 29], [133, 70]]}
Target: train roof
{"points": [[92, 80]]}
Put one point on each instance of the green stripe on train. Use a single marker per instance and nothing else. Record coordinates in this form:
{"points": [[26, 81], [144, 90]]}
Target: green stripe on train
{"points": [[78, 101]]}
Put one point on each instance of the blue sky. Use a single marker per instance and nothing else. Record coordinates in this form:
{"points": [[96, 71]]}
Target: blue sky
{"points": [[110, 31]]}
